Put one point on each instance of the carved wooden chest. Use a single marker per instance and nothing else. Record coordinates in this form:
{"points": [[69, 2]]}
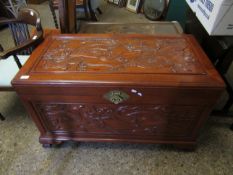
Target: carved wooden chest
{"points": [[119, 88]]}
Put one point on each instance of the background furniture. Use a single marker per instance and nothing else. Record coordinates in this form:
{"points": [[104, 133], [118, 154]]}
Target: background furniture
{"points": [[10, 62], [157, 28], [177, 11], [3, 11], [13, 6], [35, 1], [94, 7], [155, 10], [79, 4], [218, 48], [67, 13]]}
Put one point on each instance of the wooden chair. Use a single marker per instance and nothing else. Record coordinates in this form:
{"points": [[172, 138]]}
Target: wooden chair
{"points": [[11, 60]]}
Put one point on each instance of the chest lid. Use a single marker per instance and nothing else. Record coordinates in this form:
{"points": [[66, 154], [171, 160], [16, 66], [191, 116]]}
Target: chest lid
{"points": [[119, 59]]}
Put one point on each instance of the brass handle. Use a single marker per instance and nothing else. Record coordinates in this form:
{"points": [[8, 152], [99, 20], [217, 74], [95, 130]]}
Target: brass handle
{"points": [[116, 96]]}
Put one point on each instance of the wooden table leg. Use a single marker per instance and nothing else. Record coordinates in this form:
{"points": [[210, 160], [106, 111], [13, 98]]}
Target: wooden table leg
{"points": [[67, 16], [1, 117], [92, 13], [186, 147]]}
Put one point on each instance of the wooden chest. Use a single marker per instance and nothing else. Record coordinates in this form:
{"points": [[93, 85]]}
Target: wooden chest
{"points": [[119, 88]]}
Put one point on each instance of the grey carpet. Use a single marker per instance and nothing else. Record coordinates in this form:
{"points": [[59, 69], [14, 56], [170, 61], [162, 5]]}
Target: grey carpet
{"points": [[21, 153]]}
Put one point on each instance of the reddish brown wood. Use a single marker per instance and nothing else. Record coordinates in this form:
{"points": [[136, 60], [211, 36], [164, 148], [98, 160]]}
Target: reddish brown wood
{"points": [[35, 1], [169, 88], [66, 12], [67, 16]]}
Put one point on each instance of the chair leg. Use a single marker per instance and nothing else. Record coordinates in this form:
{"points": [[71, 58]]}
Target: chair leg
{"points": [[1, 117], [1, 48], [53, 13], [100, 12], [228, 104], [92, 13], [17, 61], [86, 9]]}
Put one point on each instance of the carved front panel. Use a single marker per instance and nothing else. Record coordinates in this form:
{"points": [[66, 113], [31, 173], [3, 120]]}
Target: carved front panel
{"points": [[119, 55], [120, 119]]}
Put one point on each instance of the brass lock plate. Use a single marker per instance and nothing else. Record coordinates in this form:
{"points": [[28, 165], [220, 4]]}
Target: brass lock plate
{"points": [[116, 96]]}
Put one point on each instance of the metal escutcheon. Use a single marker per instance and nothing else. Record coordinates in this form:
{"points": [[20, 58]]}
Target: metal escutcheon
{"points": [[116, 96]]}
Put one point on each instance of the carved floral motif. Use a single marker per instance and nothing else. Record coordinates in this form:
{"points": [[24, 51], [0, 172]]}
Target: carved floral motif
{"points": [[117, 119], [120, 55]]}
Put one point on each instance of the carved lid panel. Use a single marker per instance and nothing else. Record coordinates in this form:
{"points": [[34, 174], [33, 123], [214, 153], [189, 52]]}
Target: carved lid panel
{"points": [[86, 59], [119, 55]]}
